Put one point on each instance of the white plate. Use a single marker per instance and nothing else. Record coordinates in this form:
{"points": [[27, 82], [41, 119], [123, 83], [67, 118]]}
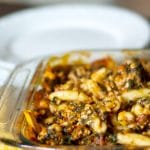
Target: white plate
{"points": [[51, 29]]}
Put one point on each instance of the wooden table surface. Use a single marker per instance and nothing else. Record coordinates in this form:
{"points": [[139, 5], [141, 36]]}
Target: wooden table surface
{"points": [[9, 8]]}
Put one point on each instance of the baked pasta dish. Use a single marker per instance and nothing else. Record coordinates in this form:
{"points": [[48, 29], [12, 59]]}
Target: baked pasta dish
{"points": [[98, 103]]}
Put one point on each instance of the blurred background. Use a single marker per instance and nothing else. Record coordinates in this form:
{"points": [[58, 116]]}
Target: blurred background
{"points": [[27, 35], [140, 6]]}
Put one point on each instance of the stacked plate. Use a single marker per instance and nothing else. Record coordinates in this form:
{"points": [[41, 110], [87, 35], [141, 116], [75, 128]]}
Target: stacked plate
{"points": [[52, 29]]}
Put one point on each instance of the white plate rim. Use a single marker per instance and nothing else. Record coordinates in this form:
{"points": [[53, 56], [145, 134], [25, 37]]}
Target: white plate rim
{"points": [[5, 20]]}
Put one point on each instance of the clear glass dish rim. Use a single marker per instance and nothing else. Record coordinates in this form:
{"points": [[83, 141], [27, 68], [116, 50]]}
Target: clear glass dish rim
{"points": [[24, 145]]}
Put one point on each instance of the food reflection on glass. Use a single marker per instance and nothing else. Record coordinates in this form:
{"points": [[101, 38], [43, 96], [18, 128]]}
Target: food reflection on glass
{"points": [[103, 102]]}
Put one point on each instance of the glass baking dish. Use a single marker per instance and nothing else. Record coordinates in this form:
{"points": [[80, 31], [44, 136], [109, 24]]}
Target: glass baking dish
{"points": [[18, 90]]}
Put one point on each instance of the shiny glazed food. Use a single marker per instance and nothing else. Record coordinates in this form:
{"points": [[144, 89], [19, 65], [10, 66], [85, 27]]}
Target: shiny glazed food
{"points": [[97, 103]]}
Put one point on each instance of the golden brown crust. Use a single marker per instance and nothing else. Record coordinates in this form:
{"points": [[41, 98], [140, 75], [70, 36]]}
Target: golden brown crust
{"points": [[96, 103]]}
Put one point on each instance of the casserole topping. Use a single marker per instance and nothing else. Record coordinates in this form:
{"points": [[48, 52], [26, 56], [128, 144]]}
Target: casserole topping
{"points": [[98, 103]]}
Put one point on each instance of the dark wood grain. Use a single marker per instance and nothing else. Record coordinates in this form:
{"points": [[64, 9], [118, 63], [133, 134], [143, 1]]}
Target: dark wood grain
{"points": [[9, 8]]}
